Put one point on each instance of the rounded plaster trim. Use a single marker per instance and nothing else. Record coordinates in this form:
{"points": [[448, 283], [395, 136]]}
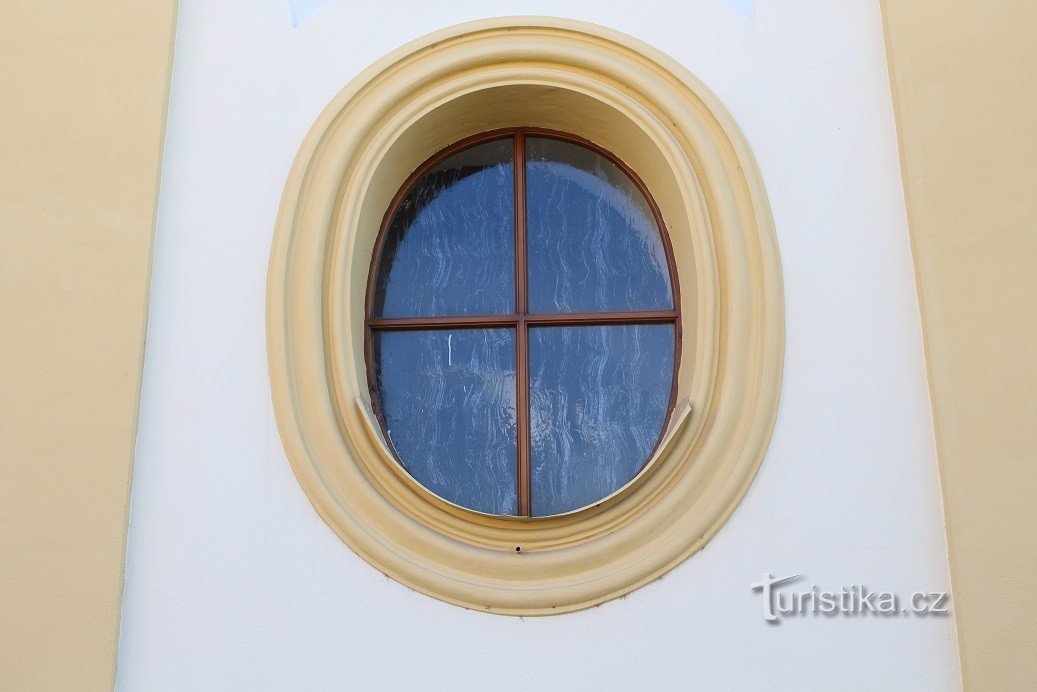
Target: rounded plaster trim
{"points": [[648, 110]]}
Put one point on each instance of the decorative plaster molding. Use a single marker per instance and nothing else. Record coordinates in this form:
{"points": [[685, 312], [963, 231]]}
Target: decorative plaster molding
{"points": [[652, 113]]}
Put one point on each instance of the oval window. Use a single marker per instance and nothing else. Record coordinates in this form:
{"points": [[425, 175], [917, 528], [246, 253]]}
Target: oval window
{"points": [[523, 324]]}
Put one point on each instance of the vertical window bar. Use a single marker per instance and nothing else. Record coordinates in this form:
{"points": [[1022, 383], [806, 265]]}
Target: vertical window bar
{"points": [[525, 501]]}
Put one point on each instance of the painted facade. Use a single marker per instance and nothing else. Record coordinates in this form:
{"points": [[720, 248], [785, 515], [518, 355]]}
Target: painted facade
{"points": [[888, 144]]}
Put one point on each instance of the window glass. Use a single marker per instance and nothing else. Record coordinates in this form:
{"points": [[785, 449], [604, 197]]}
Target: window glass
{"points": [[594, 245], [598, 399], [541, 405], [448, 402], [450, 248]]}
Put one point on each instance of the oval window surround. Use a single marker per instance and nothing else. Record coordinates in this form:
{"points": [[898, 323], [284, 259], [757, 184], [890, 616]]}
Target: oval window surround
{"points": [[645, 108]]}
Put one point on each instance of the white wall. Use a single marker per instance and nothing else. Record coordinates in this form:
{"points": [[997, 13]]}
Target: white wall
{"points": [[232, 579]]}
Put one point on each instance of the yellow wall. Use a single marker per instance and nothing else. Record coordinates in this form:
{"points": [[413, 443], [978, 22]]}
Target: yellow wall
{"points": [[84, 95], [964, 76]]}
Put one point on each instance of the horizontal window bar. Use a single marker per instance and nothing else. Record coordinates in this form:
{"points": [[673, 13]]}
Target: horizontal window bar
{"points": [[576, 319], [561, 319], [456, 322]]}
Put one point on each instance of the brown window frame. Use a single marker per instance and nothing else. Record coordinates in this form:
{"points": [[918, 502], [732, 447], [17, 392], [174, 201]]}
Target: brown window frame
{"points": [[521, 320]]}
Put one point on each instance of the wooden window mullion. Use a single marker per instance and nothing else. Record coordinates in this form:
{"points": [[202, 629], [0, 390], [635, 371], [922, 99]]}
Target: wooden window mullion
{"points": [[524, 473]]}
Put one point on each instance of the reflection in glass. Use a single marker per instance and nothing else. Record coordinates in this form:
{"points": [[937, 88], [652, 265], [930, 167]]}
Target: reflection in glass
{"points": [[594, 245], [448, 404], [598, 401], [450, 247]]}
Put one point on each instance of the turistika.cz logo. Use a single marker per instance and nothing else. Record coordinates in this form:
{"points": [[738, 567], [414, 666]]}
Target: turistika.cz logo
{"points": [[854, 600]]}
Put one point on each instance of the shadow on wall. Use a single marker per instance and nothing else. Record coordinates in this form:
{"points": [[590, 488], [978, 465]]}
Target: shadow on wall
{"points": [[303, 9]]}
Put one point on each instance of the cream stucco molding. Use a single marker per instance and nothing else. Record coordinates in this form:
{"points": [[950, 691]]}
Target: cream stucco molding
{"points": [[649, 111]]}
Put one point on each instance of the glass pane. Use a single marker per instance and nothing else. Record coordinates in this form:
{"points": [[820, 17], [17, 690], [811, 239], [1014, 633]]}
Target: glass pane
{"points": [[598, 400], [448, 402], [594, 245], [450, 248]]}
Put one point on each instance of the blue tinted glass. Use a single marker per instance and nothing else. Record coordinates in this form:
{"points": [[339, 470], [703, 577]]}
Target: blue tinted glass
{"points": [[594, 245], [448, 403], [450, 248], [598, 401]]}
